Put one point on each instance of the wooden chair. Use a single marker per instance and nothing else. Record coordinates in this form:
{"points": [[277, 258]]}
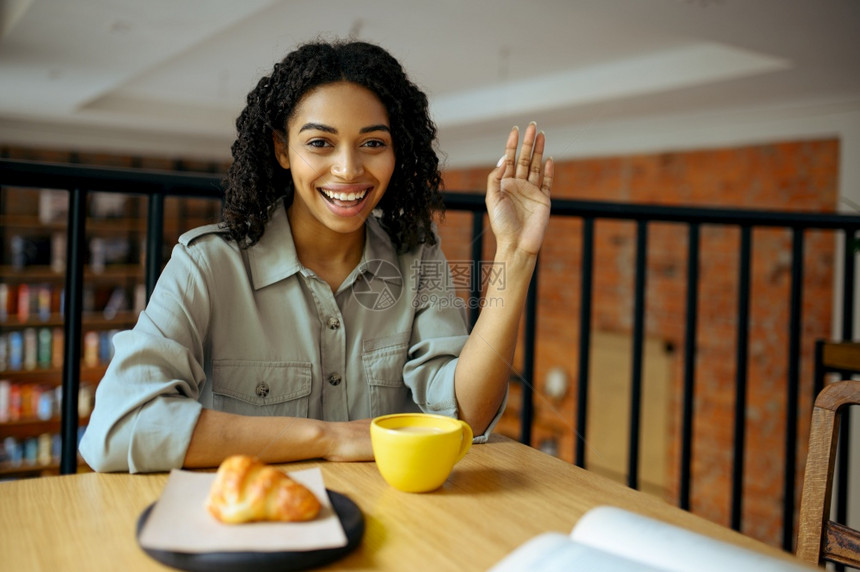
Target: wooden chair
{"points": [[835, 357], [819, 539], [838, 360]]}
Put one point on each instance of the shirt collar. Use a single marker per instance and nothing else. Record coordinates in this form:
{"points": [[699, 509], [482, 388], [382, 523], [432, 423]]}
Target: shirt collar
{"points": [[378, 248], [274, 256]]}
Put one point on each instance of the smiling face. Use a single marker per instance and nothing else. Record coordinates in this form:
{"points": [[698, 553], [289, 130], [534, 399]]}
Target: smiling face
{"points": [[339, 151]]}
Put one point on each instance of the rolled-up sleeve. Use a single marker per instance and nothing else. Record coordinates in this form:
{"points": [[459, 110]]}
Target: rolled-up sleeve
{"points": [[146, 406]]}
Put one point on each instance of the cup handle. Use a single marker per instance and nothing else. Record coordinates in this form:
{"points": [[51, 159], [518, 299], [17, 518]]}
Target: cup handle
{"points": [[467, 440]]}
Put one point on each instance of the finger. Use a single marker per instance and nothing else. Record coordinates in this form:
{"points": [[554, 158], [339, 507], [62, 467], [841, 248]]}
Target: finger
{"points": [[548, 174], [506, 165], [525, 158], [511, 152], [537, 160], [494, 179]]}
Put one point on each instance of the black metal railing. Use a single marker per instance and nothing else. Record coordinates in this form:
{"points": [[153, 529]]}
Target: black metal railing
{"points": [[694, 218], [80, 180]]}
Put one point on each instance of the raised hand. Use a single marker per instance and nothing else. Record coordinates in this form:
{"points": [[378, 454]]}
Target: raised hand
{"points": [[518, 193]]}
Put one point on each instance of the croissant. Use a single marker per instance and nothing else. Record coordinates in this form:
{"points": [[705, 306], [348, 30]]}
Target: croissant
{"points": [[247, 490]]}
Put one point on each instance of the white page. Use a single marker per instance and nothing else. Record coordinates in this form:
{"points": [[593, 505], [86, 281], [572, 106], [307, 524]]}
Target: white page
{"points": [[668, 547], [554, 552]]}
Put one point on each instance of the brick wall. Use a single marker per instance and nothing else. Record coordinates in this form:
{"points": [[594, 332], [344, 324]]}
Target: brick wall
{"points": [[797, 176]]}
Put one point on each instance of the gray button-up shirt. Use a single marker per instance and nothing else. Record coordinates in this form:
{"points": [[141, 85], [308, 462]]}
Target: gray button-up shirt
{"points": [[254, 332]]}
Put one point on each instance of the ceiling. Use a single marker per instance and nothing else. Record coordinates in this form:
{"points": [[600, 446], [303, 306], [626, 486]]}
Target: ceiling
{"points": [[170, 76]]}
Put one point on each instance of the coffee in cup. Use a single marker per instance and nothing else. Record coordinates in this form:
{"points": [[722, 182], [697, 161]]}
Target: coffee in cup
{"points": [[415, 452]]}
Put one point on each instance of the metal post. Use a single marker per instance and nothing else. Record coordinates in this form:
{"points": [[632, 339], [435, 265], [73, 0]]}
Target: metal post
{"points": [[689, 366], [72, 328]]}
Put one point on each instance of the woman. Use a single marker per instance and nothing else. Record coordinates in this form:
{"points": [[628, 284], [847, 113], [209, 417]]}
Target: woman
{"points": [[317, 303]]}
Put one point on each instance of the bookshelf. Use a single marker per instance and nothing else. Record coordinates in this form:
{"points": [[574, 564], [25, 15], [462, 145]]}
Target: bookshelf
{"points": [[32, 280]]}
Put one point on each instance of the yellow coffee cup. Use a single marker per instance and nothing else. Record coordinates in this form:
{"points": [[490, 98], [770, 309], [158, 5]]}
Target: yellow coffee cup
{"points": [[415, 452]]}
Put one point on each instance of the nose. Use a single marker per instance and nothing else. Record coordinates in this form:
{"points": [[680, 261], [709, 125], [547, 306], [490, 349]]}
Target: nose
{"points": [[347, 165]]}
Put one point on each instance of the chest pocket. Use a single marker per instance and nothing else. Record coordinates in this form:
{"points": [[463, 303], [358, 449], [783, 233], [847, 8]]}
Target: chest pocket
{"points": [[262, 387], [383, 360]]}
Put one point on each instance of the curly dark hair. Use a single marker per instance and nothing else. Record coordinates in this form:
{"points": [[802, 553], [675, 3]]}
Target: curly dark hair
{"points": [[255, 180]]}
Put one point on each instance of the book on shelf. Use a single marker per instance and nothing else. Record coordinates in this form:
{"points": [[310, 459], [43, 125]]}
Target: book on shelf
{"points": [[39, 402], [610, 538]]}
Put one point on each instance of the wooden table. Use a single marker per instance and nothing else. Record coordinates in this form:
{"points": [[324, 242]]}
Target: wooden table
{"points": [[499, 496]]}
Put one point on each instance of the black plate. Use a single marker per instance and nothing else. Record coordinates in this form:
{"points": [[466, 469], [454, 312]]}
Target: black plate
{"points": [[348, 512]]}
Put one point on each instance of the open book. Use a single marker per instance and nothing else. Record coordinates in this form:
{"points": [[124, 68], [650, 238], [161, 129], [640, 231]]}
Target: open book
{"points": [[611, 539]]}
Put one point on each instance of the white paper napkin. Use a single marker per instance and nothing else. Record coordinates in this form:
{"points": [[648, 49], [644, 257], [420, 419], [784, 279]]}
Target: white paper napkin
{"points": [[179, 521]]}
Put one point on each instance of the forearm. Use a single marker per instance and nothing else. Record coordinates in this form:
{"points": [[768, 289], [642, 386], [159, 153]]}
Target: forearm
{"points": [[485, 363], [218, 435]]}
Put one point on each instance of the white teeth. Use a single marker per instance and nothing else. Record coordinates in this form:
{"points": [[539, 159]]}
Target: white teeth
{"points": [[344, 196]]}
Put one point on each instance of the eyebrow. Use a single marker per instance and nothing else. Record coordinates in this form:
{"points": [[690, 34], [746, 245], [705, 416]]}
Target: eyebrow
{"points": [[329, 129]]}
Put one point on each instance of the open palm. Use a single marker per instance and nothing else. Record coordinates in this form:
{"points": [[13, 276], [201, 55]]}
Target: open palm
{"points": [[518, 193]]}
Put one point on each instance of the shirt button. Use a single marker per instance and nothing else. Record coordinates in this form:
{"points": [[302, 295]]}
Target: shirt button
{"points": [[334, 379], [333, 323], [262, 389]]}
